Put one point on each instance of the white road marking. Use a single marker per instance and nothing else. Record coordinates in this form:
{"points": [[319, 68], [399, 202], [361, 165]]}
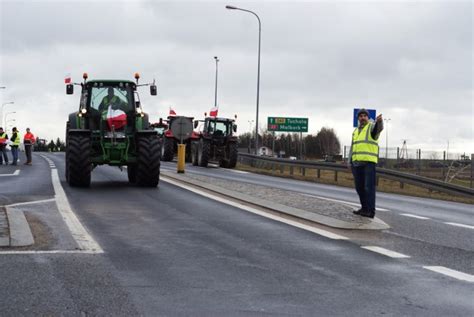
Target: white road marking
{"points": [[386, 252], [237, 171], [414, 216], [15, 173], [341, 201], [459, 225], [78, 232], [32, 202], [51, 252], [321, 232], [452, 273]]}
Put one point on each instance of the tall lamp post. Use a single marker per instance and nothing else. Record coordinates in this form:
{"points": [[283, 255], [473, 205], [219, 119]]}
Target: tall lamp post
{"points": [[250, 136], [3, 106], [386, 138], [258, 69], [215, 92], [6, 115]]}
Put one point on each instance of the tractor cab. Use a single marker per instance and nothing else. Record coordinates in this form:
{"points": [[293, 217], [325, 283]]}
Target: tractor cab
{"points": [[219, 128]]}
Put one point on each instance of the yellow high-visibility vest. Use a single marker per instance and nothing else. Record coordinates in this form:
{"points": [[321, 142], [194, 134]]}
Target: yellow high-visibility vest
{"points": [[17, 140], [364, 147]]}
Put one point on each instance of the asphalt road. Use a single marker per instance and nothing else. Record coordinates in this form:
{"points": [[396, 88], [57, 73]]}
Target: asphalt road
{"points": [[169, 251]]}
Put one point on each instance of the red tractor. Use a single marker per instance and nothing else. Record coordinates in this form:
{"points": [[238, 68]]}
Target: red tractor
{"points": [[215, 141], [169, 147]]}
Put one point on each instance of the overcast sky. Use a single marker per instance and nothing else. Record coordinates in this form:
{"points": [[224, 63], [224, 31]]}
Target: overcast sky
{"points": [[411, 61]]}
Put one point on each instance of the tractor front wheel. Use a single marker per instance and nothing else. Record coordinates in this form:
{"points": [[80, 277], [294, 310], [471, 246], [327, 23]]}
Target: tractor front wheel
{"points": [[195, 153], [167, 153]]}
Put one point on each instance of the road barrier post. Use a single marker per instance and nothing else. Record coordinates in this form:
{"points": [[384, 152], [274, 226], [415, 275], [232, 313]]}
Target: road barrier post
{"points": [[181, 157]]}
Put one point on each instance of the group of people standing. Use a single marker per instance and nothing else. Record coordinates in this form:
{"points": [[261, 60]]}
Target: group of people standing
{"points": [[15, 141]]}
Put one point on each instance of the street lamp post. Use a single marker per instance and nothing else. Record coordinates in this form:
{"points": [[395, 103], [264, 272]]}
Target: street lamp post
{"points": [[215, 92], [3, 106], [386, 139], [6, 115], [250, 136], [258, 69]]}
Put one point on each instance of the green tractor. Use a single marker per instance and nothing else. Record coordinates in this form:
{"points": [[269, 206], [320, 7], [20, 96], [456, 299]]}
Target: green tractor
{"points": [[215, 141], [110, 128]]}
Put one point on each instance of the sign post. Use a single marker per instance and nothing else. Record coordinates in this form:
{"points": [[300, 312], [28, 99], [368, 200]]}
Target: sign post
{"points": [[182, 129], [284, 124]]}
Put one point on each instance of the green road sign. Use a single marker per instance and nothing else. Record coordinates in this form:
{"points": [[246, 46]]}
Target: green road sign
{"points": [[280, 124]]}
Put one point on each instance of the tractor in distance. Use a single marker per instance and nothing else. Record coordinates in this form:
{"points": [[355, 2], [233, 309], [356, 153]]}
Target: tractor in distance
{"points": [[215, 141], [110, 128], [169, 146]]}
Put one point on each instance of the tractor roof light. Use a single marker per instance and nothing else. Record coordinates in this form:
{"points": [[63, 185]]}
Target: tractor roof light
{"points": [[137, 77], [85, 76]]}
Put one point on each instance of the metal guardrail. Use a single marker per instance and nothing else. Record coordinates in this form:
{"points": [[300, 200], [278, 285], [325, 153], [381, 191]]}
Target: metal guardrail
{"points": [[403, 178]]}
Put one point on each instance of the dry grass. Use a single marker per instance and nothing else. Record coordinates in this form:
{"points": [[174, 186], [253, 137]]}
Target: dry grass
{"points": [[345, 179]]}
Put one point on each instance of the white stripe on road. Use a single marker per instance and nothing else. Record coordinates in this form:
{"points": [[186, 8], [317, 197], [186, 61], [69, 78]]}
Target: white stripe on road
{"points": [[341, 201], [414, 216], [15, 173], [452, 273], [51, 252], [32, 202], [293, 223], [386, 252], [237, 171], [78, 232], [459, 225]]}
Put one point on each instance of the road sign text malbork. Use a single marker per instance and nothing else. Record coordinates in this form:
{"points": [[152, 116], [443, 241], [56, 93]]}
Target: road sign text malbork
{"points": [[282, 124]]}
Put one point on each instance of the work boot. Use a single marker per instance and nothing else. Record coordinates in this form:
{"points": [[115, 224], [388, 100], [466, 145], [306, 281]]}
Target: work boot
{"points": [[358, 212], [368, 214]]}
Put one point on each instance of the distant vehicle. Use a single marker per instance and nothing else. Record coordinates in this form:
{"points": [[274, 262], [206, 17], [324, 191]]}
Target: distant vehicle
{"points": [[169, 146], [293, 158], [215, 142], [110, 128]]}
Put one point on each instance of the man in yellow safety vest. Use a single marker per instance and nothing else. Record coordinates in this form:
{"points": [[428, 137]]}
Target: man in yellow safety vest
{"points": [[363, 158], [16, 140]]}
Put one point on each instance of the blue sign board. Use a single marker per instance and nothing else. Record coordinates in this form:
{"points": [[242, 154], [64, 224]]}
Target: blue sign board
{"points": [[372, 115]]}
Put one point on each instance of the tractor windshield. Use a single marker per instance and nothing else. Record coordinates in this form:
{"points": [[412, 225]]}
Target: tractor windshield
{"points": [[118, 98], [219, 128]]}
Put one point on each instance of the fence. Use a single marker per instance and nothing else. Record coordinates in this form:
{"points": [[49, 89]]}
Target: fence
{"points": [[277, 166]]}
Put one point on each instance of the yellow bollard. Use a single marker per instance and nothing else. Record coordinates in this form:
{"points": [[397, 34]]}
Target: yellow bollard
{"points": [[181, 157]]}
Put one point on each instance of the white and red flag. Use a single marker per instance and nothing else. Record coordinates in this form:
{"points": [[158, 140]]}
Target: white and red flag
{"points": [[67, 78], [116, 118], [172, 112], [213, 112]]}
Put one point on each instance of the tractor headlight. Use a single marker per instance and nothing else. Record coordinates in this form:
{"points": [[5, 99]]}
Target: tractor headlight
{"points": [[83, 110]]}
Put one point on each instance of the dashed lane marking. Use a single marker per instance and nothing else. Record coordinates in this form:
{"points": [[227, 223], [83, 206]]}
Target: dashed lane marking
{"points": [[237, 171], [386, 252], [256, 211], [459, 225], [15, 173], [451, 273], [415, 216], [26, 252]]}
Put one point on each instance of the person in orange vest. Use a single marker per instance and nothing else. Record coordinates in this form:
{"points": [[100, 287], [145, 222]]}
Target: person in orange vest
{"points": [[3, 147], [28, 141]]}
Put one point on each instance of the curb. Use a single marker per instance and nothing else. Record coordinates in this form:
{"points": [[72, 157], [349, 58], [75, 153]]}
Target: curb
{"points": [[20, 232], [371, 224]]}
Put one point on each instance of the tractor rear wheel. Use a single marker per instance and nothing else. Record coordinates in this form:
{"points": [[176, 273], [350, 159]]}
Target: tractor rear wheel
{"points": [[194, 153], [78, 165], [204, 149], [167, 151], [148, 161]]}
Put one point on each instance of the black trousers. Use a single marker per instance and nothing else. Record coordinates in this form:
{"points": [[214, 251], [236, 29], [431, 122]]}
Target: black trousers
{"points": [[3, 154], [364, 179], [28, 149]]}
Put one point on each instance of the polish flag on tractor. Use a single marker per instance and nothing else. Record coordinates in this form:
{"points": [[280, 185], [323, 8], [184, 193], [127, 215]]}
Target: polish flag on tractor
{"points": [[116, 118], [172, 112], [213, 112], [67, 78]]}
